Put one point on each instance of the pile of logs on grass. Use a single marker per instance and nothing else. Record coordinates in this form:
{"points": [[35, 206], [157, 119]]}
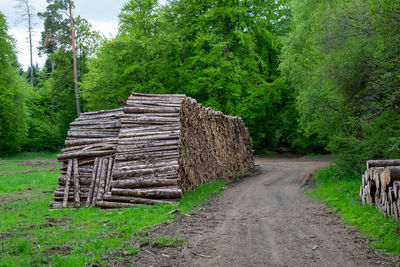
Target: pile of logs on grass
{"points": [[381, 186], [88, 155], [151, 151]]}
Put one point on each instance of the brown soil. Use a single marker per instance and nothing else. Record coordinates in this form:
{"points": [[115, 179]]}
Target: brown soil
{"points": [[262, 220]]}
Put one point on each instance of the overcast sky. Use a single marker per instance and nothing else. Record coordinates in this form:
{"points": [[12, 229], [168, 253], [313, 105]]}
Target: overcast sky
{"points": [[102, 14]]}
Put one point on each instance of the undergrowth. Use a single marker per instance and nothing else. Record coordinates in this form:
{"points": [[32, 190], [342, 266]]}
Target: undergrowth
{"points": [[341, 193], [32, 234]]}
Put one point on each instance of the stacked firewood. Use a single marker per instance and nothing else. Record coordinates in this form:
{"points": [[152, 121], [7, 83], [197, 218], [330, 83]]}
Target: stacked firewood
{"points": [[146, 160], [152, 151], [88, 158], [213, 146], [381, 186]]}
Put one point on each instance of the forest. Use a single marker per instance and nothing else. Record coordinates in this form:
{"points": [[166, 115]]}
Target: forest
{"points": [[306, 76]]}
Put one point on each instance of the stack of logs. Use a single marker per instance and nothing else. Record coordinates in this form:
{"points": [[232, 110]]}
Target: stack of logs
{"points": [[146, 160], [151, 151], [381, 186], [88, 158]]}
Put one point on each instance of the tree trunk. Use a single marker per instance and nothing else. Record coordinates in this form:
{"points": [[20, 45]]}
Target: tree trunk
{"points": [[78, 107]]}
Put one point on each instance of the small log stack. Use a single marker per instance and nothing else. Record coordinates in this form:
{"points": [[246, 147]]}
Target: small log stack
{"points": [[381, 186], [151, 151], [88, 156]]}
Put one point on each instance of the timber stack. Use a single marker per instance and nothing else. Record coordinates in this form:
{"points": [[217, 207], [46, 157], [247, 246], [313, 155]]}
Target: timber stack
{"points": [[151, 151], [381, 186]]}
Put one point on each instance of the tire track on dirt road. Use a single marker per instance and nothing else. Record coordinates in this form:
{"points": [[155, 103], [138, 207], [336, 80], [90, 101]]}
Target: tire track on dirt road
{"points": [[265, 220]]}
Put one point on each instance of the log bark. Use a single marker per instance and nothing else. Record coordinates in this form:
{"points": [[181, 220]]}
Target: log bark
{"points": [[69, 171], [151, 110], [383, 163], [129, 199], [134, 173], [97, 182], [88, 141], [77, 200], [92, 183], [85, 154], [140, 183], [103, 177], [109, 174], [392, 174], [172, 192]]}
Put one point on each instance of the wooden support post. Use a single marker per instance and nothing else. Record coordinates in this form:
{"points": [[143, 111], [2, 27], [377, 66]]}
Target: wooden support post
{"points": [[77, 186], [67, 182]]}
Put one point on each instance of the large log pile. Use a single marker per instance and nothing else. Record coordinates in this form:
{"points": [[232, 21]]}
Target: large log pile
{"points": [[381, 186], [151, 151]]}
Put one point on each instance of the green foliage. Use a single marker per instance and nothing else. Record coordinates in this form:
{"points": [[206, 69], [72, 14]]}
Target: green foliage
{"points": [[224, 54], [340, 192], [13, 96], [342, 59]]}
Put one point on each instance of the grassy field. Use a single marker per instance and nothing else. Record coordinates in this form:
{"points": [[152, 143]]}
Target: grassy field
{"points": [[32, 234], [342, 195]]}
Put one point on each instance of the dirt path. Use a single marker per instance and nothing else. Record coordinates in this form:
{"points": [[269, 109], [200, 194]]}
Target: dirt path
{"points": [[264, 221]]}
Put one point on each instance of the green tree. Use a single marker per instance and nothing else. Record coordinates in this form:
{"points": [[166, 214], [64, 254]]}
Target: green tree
{"points": [[223, 53], [342, 59], [13, 96]]}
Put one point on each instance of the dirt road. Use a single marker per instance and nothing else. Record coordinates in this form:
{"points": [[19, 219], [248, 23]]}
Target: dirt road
{"points": [[264, 220]]}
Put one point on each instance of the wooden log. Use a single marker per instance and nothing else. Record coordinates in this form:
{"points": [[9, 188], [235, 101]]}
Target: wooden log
{"points": [[391, 174], [396, 188], [144, 103], [163, 151], [129, 199], [140, 183], [137, 145], [383, 163], [153, 165], [69, 171], [165, 144], [91, 135], [148, 134], [101, 117], [103, 177], [134, 173], [92, 183], [109, 174], [105, 111], [87, 141], [151, 128], [131, 109], [85, 154], [97, 182], [158, 192], [130, 159], [93, 122], [77, 200], [150, 138]]}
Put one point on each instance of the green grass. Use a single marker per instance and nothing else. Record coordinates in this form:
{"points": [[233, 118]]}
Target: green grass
{"points": [[31, 234], [167, 241], [31, 155], [342, 194]]}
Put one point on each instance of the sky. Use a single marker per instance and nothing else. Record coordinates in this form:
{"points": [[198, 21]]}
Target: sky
{"points": [[102, 14]]}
